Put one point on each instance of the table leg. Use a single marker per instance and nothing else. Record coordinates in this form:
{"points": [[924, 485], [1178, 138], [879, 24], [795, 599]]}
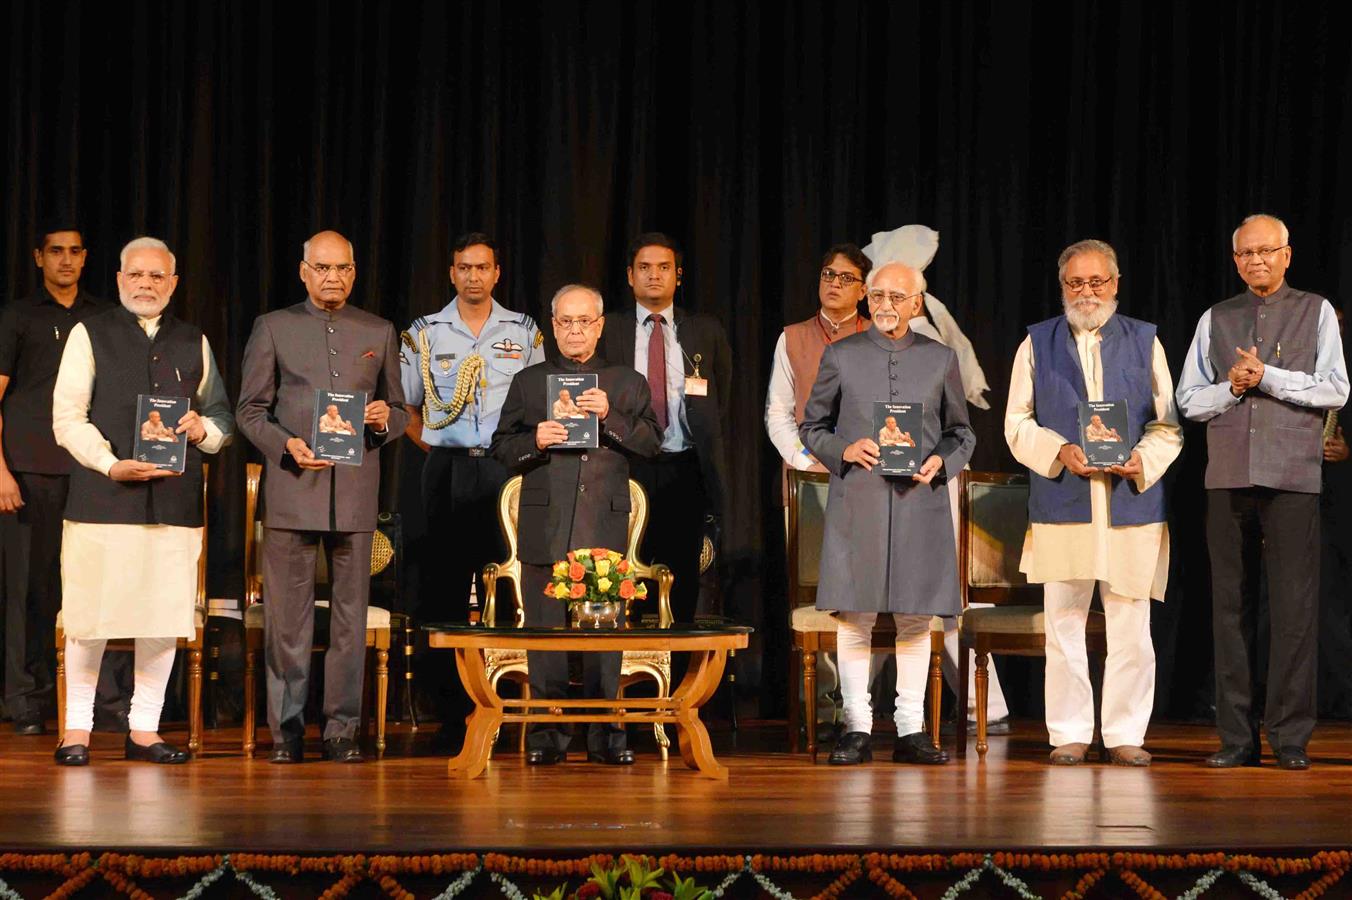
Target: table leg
{"points": [[487, 716], [700, 683]]}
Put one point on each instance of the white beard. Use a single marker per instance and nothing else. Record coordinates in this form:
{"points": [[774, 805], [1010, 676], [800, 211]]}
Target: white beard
{"points": [[1090, 320], [145, 309]]}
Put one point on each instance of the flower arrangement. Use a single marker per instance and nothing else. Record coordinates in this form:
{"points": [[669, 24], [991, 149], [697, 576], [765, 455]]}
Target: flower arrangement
{"points": [[594, 575]]}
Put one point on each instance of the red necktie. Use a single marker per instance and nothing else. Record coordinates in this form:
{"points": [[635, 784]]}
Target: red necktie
{"points": [[657, 370]]}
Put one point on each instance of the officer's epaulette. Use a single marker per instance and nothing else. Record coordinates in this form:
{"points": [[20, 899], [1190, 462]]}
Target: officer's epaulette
{"points": [[418, 324]]}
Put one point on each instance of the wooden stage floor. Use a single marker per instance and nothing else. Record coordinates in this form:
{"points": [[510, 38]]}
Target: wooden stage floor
{"points": [[772, 802]]}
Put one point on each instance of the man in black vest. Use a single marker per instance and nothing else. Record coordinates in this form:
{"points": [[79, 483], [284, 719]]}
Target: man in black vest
{"points": [[688, 363], [35, 472], [1262, 367], [573, 499], [129, 523]]}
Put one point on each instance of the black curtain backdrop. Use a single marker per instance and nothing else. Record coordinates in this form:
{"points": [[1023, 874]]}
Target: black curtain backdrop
{"points": [[756, 134]]}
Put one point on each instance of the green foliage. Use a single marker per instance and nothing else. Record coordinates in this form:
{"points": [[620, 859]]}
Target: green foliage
{"points": [[559, 893], [686, 889]]}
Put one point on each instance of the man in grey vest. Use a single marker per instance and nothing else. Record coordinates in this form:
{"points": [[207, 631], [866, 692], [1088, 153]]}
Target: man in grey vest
{"points": [[320, 343], [1262, 368], [1094, 526]]}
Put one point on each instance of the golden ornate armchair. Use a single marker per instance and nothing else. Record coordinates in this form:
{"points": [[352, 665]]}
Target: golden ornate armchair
{"points": [[636, 664]]}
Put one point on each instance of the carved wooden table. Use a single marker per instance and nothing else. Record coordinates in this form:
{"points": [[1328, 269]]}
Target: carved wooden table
{"points": [[708, 646]]}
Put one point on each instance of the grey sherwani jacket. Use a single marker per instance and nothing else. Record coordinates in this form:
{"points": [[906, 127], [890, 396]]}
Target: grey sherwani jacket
{"points": [[888, 545], [292, 353]]}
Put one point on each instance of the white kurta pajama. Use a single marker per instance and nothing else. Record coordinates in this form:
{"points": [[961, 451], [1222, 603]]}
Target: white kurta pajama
{"points": [[1129, 563], [125, 581]]}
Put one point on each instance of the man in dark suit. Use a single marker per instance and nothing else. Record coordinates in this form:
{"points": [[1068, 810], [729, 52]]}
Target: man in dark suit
{"points": [[688, 364], [573, 498], [319, 344]]}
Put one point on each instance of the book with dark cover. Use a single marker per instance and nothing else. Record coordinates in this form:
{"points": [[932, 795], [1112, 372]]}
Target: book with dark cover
{"points": [[339, 433], [155, 441], [897, 428], [1103, 432], [561, 393]]}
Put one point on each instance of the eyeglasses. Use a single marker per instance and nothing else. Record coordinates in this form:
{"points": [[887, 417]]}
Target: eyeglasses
{"points": [[582, 323], [343, 270], [156, 278], [844, 279], [1264, 252], [1097, 285], [896, 298]]}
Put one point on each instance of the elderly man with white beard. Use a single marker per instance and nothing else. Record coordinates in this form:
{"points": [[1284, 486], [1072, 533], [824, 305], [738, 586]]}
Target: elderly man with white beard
{"points": [[878, 527], [1094, 525], [127, 523]]}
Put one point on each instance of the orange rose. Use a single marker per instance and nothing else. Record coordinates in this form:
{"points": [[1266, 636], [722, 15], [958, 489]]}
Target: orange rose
{"points": [[575, 571], [549, 590], [626, 590], [622, 566], [578, 592], [599, 553], [570, 556]]}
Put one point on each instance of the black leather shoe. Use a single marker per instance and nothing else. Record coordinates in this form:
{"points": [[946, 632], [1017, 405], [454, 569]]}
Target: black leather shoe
{"points": [[72, 755], [1293, 758], [1232, 756], [29, 726], [851, 749], [343, 750], [612, 757], [544, 756], [917, 748], [165, 754], [287, 752]]}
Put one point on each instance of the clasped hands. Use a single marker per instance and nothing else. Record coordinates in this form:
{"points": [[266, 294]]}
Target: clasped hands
{"points": [[1247, 371], [551, 431], [865, 453]]}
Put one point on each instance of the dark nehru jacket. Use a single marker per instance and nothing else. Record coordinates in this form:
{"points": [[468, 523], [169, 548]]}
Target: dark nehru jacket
{"points": [[1262, 441], [574, 498], [126, 363]]}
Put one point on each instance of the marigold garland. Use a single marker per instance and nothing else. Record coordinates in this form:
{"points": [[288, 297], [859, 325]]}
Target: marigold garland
{"points": [[122, 872]]}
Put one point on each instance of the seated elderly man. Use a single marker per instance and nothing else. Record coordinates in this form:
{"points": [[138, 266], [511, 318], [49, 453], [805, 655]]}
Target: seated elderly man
{"points": [[876, 527], [572, 498]]}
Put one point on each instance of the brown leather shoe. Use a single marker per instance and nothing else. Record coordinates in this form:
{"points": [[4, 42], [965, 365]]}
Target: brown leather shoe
{"points": [[1127, 755], [1069, 754]]}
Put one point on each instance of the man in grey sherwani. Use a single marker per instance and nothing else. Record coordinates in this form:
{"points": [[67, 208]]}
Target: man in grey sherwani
{"points": [[888, 546], [319, 344]]}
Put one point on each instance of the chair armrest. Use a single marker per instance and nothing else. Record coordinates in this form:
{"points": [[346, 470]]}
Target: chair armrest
{"points": [[665, 579], [490, 612]]}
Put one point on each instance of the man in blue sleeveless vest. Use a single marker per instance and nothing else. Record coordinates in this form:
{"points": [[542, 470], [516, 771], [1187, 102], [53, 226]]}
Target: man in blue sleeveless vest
{"points": [[1088, 525], [1264, 412]]}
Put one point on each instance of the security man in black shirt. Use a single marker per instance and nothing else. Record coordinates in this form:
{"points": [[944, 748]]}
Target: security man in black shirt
{"points": [[34, 471]]}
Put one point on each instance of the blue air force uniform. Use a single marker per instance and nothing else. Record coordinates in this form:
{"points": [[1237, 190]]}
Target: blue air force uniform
{"points": [[457, 382]]}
